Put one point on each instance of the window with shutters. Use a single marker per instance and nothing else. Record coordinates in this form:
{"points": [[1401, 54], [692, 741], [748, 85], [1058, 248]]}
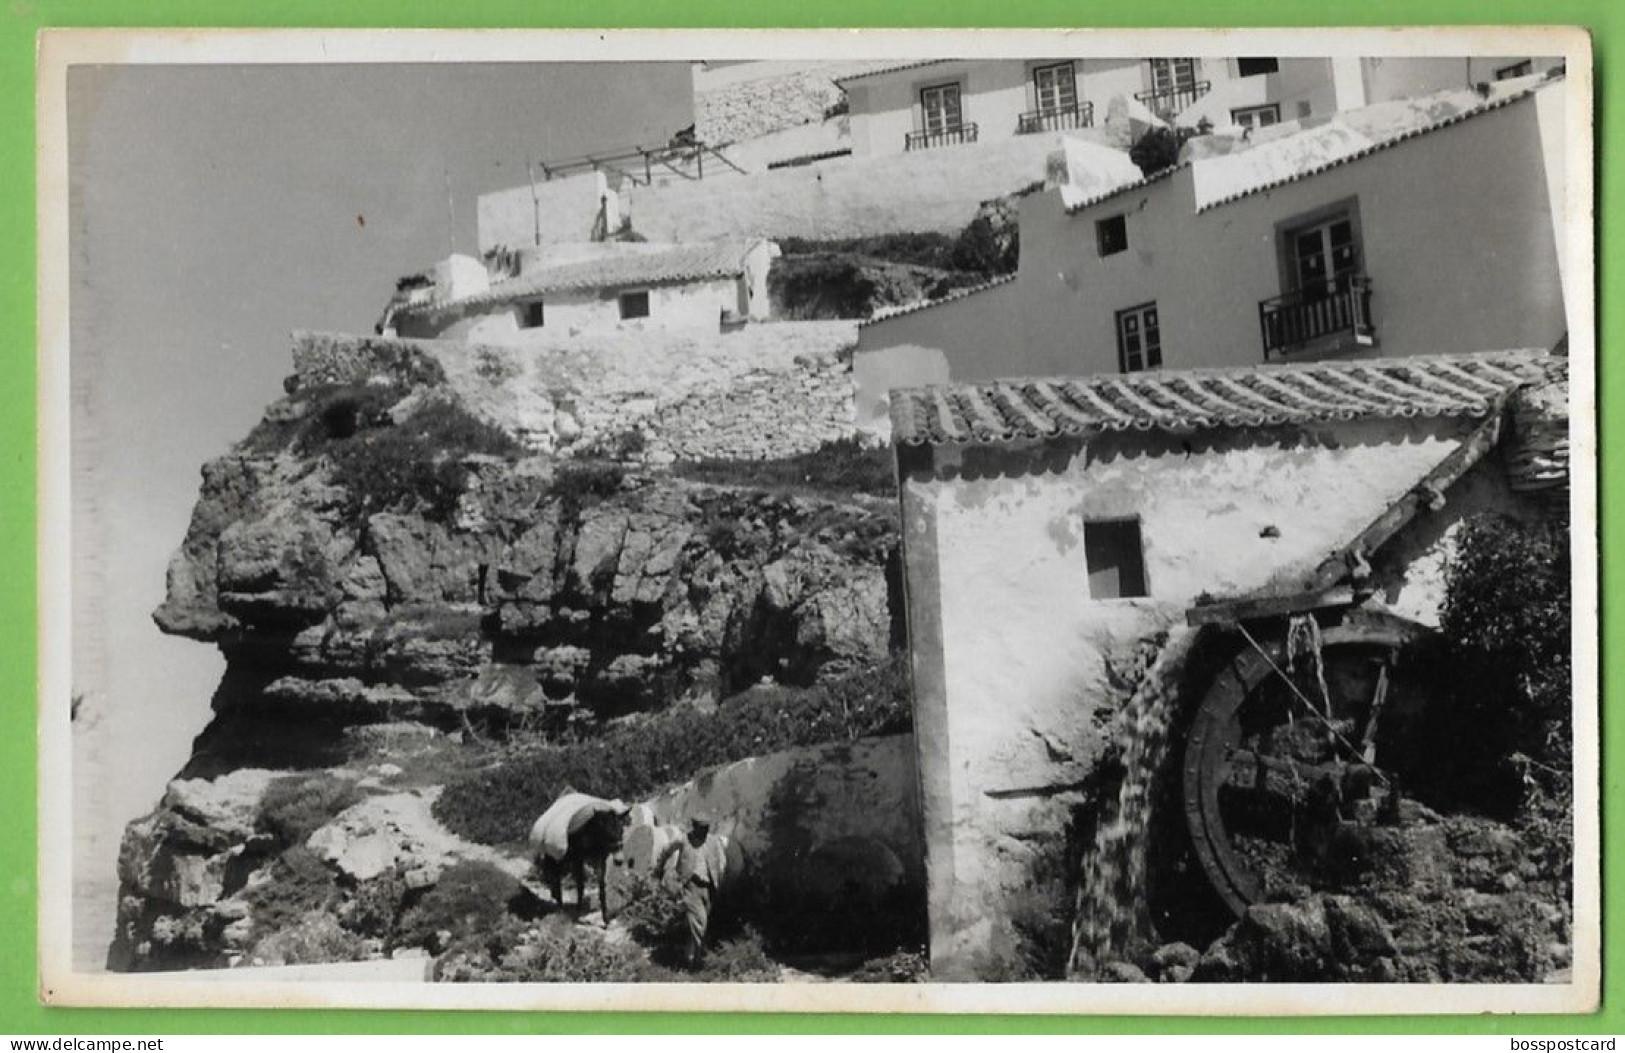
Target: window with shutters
{"points": [[1139, 339]]}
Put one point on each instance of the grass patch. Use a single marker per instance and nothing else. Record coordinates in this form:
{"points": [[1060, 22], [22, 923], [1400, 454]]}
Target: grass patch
{"points": [[844, 466], [497, 805], [923, 249]]}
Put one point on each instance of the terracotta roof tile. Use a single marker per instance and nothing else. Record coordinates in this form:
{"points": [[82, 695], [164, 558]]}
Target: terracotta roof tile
{"points": [[678, 263], [1026, 409]]}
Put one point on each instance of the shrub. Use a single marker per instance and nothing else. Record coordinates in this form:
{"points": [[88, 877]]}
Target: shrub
{"points": [[901, 967], [298, 883], [417, 463], [374, 908], [1159, 148], [742, 960], [842, 465], [1500, 666], [582, 482], [991, 241], [924, 249], [498, 804], [296, 806], [310, 939], [471, 897], [553, 951]]}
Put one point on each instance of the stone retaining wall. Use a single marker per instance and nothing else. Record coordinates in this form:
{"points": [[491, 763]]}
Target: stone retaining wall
{"points": [[760, 392]]}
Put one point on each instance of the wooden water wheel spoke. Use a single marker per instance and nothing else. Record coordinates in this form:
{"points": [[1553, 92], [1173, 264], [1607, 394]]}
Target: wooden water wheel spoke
{"points": [[1263, 757]]}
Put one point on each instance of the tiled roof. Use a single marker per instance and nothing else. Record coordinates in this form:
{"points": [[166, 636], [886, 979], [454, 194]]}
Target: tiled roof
{"points": [[678, 263], [1155, 177], [1252, 396], [1346, 137], [888, 69], [1298, 150], [888, 313]]}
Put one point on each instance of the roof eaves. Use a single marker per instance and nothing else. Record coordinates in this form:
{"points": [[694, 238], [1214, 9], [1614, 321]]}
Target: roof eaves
{"points": [[1127, 188], [1442, 123], [843, 81], [925, 305]]}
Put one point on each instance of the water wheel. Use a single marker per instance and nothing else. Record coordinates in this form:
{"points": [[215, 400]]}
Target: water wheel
{"points": [[1281, 751]]}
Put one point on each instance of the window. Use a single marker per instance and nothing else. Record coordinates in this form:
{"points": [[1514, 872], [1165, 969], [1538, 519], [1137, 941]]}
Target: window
{"points": [[1168, 75], [1116, 560], [1256, 116], [533, 316], [635, 304], [1139, 339], [1111, 234], [1517, 69], [1322, 256], [1253, 67], [1055, 88], [939, 108]]}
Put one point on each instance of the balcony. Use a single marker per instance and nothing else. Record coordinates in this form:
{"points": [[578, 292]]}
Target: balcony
{"points": [[1168, 103], [963, 133], [1289, 323], [1081, 115]]}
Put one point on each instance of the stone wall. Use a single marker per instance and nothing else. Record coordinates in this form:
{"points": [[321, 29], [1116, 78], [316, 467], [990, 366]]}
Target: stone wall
{"points": [[760, 392], [785, 814], [750, 99]]}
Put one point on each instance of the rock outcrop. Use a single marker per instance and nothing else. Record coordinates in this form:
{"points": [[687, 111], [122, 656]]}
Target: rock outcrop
{"points": [[374, 631]]}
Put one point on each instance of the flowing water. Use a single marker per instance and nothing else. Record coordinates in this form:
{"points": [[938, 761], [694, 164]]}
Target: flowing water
{"points": [[1112, 920]]}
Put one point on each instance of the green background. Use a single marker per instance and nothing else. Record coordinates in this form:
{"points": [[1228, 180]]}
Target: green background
{"points": [[20, 1011]]}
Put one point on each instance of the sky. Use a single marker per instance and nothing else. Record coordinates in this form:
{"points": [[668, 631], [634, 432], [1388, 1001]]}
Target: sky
{"points": [[213, 210]]}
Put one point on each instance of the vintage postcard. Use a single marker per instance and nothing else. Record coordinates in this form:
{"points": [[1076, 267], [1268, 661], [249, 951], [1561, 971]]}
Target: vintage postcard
{"points": [[1065, 522]]}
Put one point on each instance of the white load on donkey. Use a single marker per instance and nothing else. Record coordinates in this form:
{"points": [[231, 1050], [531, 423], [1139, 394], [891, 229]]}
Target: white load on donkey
{"points": [[578, 829]]}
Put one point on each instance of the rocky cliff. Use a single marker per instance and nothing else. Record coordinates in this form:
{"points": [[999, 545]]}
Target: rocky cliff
{"points": [[403, 593]]}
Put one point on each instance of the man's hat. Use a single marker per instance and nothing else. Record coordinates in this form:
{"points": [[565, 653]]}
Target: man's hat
{"points": [[699, 822]]}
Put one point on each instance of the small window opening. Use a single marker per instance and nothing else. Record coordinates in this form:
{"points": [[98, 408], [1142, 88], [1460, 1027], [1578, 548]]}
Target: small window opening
{"points": [[1252, 67], [534, 315], [1111, 234], [1116, 559], [635, 304]]}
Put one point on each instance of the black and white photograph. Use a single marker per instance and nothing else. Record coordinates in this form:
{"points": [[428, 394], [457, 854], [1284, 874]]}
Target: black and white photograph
{"points": [[854, 521]]}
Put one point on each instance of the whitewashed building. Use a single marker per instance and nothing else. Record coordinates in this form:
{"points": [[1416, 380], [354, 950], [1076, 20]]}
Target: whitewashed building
{"points": [[1421, 226], [512, 296], [947, 102], [1058, 532]]}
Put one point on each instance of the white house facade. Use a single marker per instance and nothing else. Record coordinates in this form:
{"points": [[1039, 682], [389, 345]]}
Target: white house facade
{"points": [[945, 102], [1407, 228], [511, 297]]}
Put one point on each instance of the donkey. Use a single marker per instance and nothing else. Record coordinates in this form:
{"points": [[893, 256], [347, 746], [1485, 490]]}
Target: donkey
{"points": [[592, 843]]}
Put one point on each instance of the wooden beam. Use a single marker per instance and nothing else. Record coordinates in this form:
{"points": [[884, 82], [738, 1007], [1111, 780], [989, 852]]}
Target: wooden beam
{"points": [[1229, 612], [1336, 580], [1422, 496]]}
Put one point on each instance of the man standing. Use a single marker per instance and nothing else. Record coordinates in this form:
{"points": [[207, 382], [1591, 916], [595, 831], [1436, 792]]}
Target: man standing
{"points": [[701, 860]]}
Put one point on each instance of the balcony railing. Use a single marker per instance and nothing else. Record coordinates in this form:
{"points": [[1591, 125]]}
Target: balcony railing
{"points": [[1168, 103], [1342, 305], [1058, 119], [964, 133]]}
